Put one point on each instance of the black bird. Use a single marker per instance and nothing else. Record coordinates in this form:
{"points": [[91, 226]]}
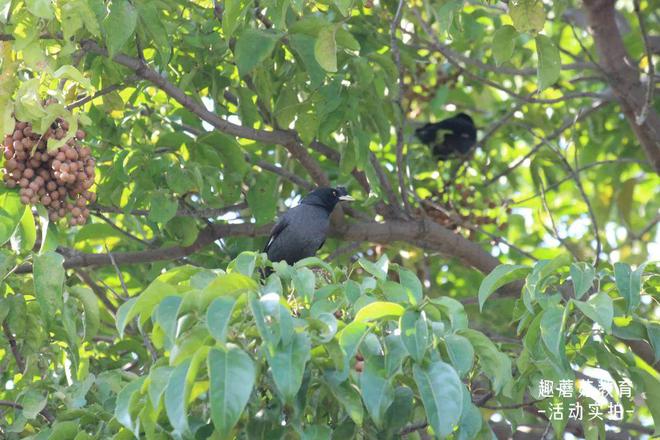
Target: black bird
{"points": [[301, 231], [451, 136]]}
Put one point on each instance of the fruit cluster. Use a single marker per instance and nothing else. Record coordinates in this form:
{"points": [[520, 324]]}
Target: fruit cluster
{"points": [[59, 179]]}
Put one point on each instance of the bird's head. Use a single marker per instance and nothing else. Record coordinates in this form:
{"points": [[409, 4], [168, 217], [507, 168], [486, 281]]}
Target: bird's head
{"points": [[327, 197], [465, 117]]}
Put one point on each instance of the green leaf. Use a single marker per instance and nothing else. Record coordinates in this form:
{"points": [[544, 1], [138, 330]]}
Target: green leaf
{"points": [[325, 49], [583, 275], [218, 317], [401, 410], [494, 363], [158, 380], [150, 21], [119, 25], [629, 284], [471, 420], [344, 6], [445, 13], [88, 17], [166, 315], [460, 353], [303, 45], [253, 46], [549, 61], [70, 72], [454, 310], [40, 8], [653, 329], [304, 282], [261, 198], [504, 42], [378, 310], [287, 365], [377, 269], [7, 121], [307, 126], [28, 105], [552, 330], [64, 430], [48, 283], [125, 402], [232, 16], [7, 263], [527, 15], [176, 398], [346, 40], [351, 336], [414, 333], [143, 304], [26, 234], [377, 392], [651, 386], [599, 308], [232, 375], [501, 275], [349, 398], [33, 402], [90, 306], [440, 389], [163, 207], [412, 284], [11, 212]]}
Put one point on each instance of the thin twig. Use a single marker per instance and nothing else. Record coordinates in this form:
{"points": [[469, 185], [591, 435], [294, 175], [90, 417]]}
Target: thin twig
{"points": [[98, 291], [554, 229], [585, 167], [185, 212], [120, 230], [20, 362], [118, 271], [100, 93], [568, 123], [575, 175]]}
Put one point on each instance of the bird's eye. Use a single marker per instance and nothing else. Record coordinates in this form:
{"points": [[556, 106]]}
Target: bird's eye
{"points": [[334, 193]]}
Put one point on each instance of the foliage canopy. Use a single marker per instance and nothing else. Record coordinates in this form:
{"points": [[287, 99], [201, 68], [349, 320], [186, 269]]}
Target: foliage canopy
{"points": [[443, 298]]}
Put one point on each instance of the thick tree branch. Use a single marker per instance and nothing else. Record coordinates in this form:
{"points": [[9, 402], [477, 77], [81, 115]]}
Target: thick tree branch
{"points": [[623, 77], [421, 232]]}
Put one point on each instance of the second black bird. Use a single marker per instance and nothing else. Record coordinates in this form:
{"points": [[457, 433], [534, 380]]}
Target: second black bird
{"points": [[301, 231], [452, 136]]}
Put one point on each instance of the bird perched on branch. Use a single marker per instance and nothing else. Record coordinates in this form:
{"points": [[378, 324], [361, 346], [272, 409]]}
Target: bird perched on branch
{"points": [[301, 231], [452, 136]]}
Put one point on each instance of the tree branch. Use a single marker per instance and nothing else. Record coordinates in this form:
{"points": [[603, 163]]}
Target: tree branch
{"points": [[287, 139], [423, 233], [20, 362], [623, 77], [650, 86]]}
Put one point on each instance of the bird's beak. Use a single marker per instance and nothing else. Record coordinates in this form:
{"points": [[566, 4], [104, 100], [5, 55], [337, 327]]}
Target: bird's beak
{"points": [[346, 198]]}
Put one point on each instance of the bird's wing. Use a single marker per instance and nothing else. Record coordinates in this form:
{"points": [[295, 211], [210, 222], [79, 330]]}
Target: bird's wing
{"points": [[281, 224]]}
